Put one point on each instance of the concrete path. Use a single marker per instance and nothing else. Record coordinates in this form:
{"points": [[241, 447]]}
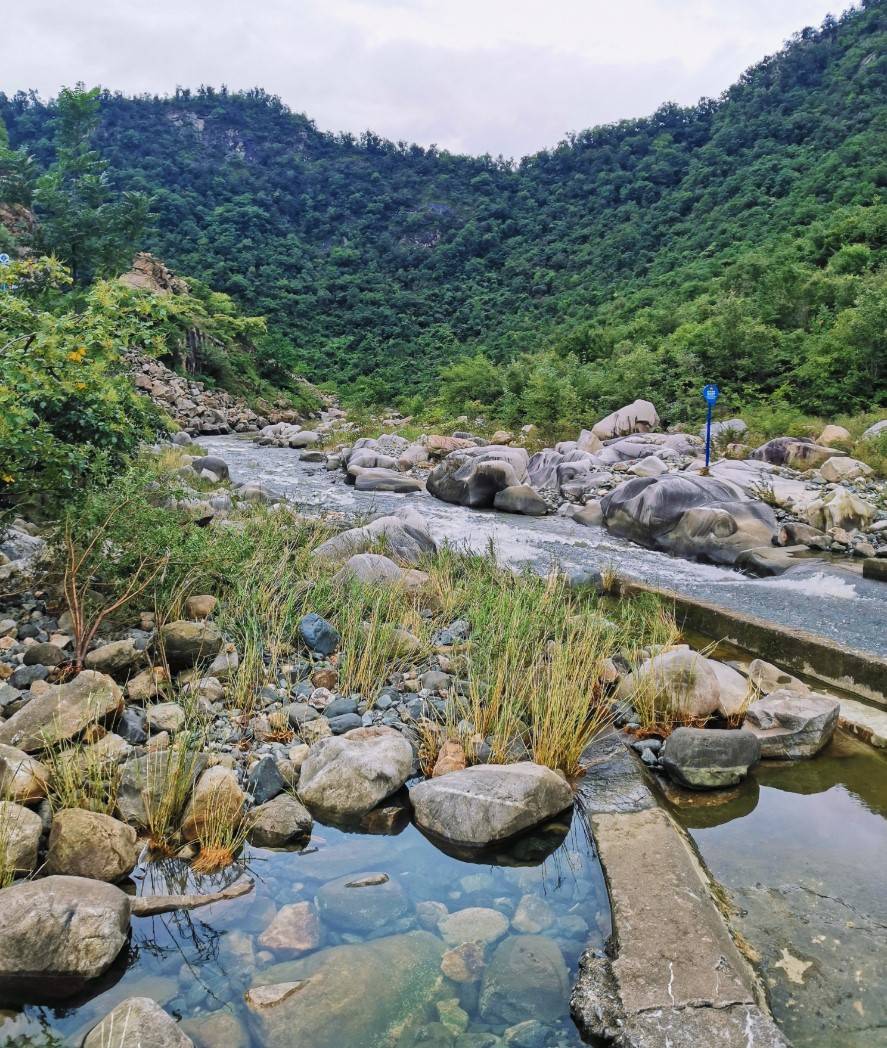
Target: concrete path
{"points": [[866, 723]]}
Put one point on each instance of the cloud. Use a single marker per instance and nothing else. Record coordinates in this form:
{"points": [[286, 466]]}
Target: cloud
{"points": [[497, 76]]}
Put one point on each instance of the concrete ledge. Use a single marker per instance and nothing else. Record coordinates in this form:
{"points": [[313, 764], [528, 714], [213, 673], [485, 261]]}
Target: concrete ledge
{"points": [[865, 723], [858, 672]]}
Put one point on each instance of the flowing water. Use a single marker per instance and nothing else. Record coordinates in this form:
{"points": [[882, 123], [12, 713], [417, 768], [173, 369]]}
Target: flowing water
{"points": [[802, 849], [379, 958], [816, 596]]}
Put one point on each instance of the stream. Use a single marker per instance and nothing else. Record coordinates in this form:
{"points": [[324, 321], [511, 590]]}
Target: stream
{"points": [[816, 596]]}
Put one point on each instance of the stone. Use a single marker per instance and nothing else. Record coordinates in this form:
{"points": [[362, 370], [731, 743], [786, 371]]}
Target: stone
{"points": [[23, 779], [57, 933], [165, 716], [200, 605], [638, 417], [709, 758], [90, 844], [318, 634], [117, 658], [380, 479], [834, 435], [62, 712], [375, 987], [361, 902], [837, 470], [651, 466], [533, 915], [44, 655], [217, 800], [690, 516], [345, 722], [147, 685], [20, 833], [452, 1016], [376, 569], [791, 726], [682, 681], [264, 781], [726, 430], [212, 463], [404, 536], [221, 1029], [876, 430], [795, 452], [185, 644], [295, 930], [840, 508], [349, 774], [489, 802], [279, 821], [464, 963], [313, 731], [473, 477], [478, 924], [450, 758], [525, 979], [591, 515], [143, 781], [520, 498], [137, 1022], [588, 441], [768, 678]]}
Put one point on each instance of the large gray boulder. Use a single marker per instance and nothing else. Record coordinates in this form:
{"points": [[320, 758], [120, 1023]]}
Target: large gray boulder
{"points": [[638, 417], [525, 979], [357, 994], [57, 933], [137, 1022], [62, 712], [20, 832], [472, 477], [520, 498], [187, 643], [790, 725], [346, 775], [386, 480], [489, 802], [691, 516], [708, 758], [404, 535], [376, 569], [685, 685], [90, 844], [795, 452]]}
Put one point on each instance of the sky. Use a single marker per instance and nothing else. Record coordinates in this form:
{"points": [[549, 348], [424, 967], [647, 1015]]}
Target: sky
{"points": [[503, 77]]}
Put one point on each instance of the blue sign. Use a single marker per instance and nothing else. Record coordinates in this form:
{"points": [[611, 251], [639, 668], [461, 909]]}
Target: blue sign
{"points": [[4, 260], [711, 393]]}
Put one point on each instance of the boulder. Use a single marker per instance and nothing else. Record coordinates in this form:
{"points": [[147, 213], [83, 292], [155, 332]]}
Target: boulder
{"points": [[44, 655], [318, 634], [691, 516], [591, 515], [489, 802], [404, 535], [20, 833], [356, 994], [834, 435], [186, 643], [347, 775], [374, 568], [137, 1022], [90, 844], [650, 466], [837, 470], [791, 726], [876, 430], [638, 417], [295, 929], [217, 801], [386, 480], [143, 781], [23, 779], [212, 463], [361, 902], [795, 452], [474, 476], [117, 658], [438, 446], [526, 978], [589, 441], [840, 508], [682, 682], [147, 685], [279, 821], [62, 712], [57, 933], [710, 759], [200, 605], [520, 498], [478, 924]]}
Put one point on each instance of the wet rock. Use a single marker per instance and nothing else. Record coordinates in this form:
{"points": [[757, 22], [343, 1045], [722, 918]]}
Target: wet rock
{"points": [[62, 712], [489, 802], [520, 498], [477, 924], [364, 993], [350, 774], [185, 644], [20, 832], [295, 930], [792, 726], [525, 979], [533, 915], [279, 822], [220, 1029], [137, 1022], [708, 758], [90, 844], [362, 902], [118, 658], [57, 933], [23, 779]]}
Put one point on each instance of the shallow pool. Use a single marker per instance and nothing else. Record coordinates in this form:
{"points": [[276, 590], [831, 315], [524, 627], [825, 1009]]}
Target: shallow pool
{"points": [[381, 916]]}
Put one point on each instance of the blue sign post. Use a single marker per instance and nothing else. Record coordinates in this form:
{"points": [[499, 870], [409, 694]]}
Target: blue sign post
{"points": [[710, 393], [4, 261]]}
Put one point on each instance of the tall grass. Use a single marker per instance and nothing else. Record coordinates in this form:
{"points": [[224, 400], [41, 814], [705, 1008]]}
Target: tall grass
{"points": [[82, 777], [169, 779]]}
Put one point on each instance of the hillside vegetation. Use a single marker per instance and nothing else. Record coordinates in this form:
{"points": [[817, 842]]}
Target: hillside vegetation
{"points": [[740, 241]]}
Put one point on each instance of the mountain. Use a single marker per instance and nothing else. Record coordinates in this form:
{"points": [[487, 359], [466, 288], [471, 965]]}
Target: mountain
{"points": [[741, 240]]}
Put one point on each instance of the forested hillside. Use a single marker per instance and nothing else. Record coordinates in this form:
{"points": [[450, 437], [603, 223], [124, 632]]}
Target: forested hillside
{"points": [[740, 241]]}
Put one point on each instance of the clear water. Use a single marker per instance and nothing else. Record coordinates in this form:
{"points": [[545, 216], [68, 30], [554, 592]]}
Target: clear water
{"points": [[199, 964], [802, 849]]}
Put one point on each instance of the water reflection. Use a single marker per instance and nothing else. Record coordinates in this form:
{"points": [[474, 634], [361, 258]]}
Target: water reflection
{"points": [[545, 887]]}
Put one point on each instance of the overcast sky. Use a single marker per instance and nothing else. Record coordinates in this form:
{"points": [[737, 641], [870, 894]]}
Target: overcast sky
{"points": [[497, 76]]}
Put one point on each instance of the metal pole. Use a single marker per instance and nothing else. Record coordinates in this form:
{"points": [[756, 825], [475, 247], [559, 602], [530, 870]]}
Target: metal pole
{"points": [[708, 436]]}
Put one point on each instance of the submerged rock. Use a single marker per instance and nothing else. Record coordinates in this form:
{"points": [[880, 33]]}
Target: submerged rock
{"points": [[137, 1022], [708, 758], [525, 979], [362, 902], [790, 725], [295, 930], [489, 802]]}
